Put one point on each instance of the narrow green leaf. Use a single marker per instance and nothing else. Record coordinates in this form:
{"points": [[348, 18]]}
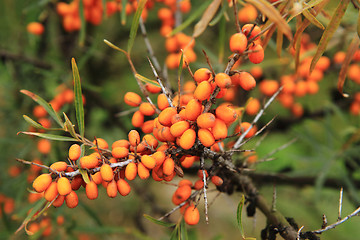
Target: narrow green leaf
{"points": [[135, 24], [238, 215], [123, 12], [33, 123], [220, 15], [115, 47], [39, 204], [183, 230], [354, 45], [84, 175], [91, 213], [329, 32], [190, 19], [161, 223], [69, 126], [49, 109], [222, 40], [358, 25], [147, 80], [206, 18], [51, 136], [313, 19], [79, 106], [273, 14]]}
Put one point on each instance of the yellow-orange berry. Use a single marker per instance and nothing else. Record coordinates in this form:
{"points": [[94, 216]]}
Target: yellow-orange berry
{"points": [[96, 178], [123, 187], [44, 146], [134, 138], [246, 81], [226, 113], [219, 130], [89, 162], [223, 80], [253, 106], [143, 172], [111, 189], [256, 54], [137, 119], [74, 152], [206, 120], [147, 109], [64, 186], [131, 171], [193, 109], [51, 192], [152, 88], [106, 172], [216, 180], [203, 91], [132, 99], [148, 161], [120, 152], [162, 101], [91, 190], [192, 215], [59, 166], [206, 137], [166, 115], [72, 200], [59, 201], [238, 43], [177, 129], [101, 143], [42, 182], [199, 184], [268, 87], [251, 30], [168, 166], [181, 194], [244, 126], [121, 143], [187, 139], [202, 74], [35, 28]]}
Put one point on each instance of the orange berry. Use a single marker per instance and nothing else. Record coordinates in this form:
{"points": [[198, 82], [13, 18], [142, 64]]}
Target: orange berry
{"points": [[137, 119], [132, 99], [120, 152], [188, 161], [256, 72], [355, 108], [39, 111], [166, 115], [219, 131], [101, 143], [185, 182], [147, 109], [185, 6], [193, 109], [120, 143], [177, 129], [152, 88], [35, 28], [159, 157], [268, 87], [312, 87], [247, 14], [187, 139], [42, 182], [148, 126], [59, 166], [206, 137], [200, 173], [134, 138], [222, 80], [123, 187], [226, 113], [44, 146], [244, 126], [96, 178], [91, 190], [51, 192], [181, 194], [74, 152], [111, 189], [216, 180], [297, 110], [72, 200], [89, 162], [143, 172], [246, 80], [131, 171], [63, 186], [256, 54], [168, 166], [203, 91], [339, 57], [164, 14], [253, 106], [60, 220], [148, 161], [106, 172], [300, 88], [238, 43], [162, 101], [206, 120], [59, 201], [202, 74], [323, 63], [254, 29], [199, 184]]}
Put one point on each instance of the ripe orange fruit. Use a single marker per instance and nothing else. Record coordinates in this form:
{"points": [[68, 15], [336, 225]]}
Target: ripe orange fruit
{"points": [[219, 131], [143, 172], [206, 137], [254, 29], [44, 146], [152, 88], [51, 192], [168, 166], [59, 166], [59, 201], [177, 129], [134, 138], [253, 106], [35, 28], [226, 113], [71, 200], [132, 99], [166, 115], [89, 162], [162, 101], [238, 43], [74, 152], [106, 172], [148, 161], [91, 190], [181, 194], [246, 81], [42, 182], [120, 143], [268, 87], [192, 215], [206, 120], [131, 171], [111, 189], [256, 54], [101, 143], [120, 152], [187, 139], [203, 91], [216, 180], [123, 187], [193, 109], [244, 127], [63, 186], [202, 74], [137, 119], [223, 80]]}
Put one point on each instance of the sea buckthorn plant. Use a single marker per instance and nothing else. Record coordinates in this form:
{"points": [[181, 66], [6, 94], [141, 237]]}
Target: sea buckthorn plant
{"points": [[206, 108]]}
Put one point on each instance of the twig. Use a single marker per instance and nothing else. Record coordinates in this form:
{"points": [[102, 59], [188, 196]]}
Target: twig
{"points": [[324, 221], [126, 112], [148, 46], [273, 205], [340, 203], [17, 57], [280, 148], [354, 213], [238, 29], [204, 188], [39, 165], [299, 232]]}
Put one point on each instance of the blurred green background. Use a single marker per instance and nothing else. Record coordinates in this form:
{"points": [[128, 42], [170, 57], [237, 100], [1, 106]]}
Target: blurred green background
{"points": [[41, 63]]}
